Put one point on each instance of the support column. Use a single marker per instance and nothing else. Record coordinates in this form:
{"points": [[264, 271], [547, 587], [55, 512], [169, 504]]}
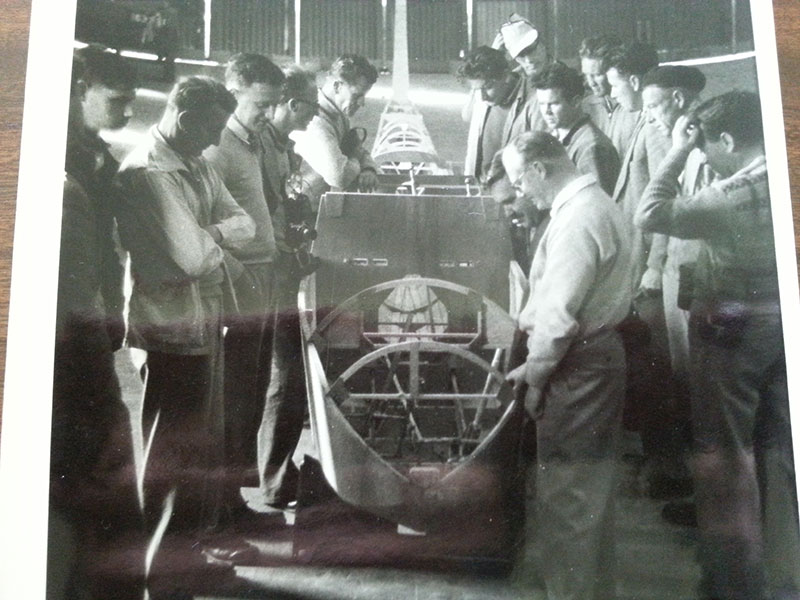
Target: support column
{"points": [[470, 25], [207, 29], [297, 7], [400, 81]]}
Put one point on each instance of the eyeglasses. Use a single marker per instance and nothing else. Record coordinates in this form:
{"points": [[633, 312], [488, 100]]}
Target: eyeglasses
{"points": [[314, 105], [518, 181]]}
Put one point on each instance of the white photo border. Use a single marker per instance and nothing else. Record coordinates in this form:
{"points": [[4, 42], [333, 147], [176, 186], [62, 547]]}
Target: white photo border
{"points": [[25, 440]]}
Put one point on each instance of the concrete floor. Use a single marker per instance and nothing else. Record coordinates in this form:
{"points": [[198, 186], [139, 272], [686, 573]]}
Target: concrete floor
{"points": [[655, 560]]}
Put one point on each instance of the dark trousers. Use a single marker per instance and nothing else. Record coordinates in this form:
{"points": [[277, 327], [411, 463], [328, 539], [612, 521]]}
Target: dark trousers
{"points": [[182, 423], [247, 359], [284, 410], [94, 509]]}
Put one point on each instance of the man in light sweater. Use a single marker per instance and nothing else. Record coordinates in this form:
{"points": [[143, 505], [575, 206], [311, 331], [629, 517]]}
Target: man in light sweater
{"points": [[575, 368]]}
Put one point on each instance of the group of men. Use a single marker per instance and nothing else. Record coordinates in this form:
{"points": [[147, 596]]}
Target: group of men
{"points": [[640, 190], [619, 193], [202, 214]]}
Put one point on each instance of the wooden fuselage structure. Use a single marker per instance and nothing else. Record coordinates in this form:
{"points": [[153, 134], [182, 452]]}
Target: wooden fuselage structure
{"points": [[405, 335]]}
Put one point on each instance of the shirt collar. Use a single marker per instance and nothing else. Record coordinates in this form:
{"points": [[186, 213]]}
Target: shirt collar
{"points": [[280, 139], [328, 106], [239, 130], [570, 190], [163, 157]]}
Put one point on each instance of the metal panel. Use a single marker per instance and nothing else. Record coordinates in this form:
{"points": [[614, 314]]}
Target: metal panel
{"points": [[248, 26], [329, 29], [436, 31]]}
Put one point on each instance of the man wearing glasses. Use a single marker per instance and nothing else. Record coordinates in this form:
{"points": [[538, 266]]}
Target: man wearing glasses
{"points": [[575, 369], [282, 418]]}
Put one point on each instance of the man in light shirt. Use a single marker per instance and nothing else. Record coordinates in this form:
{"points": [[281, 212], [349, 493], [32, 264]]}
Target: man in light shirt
{"points": [[332, 156], [575, 369]]}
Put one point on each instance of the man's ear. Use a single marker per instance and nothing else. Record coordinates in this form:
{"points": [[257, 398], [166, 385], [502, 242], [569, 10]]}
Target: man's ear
{"points": [[728, 142], [540, 168], [679, 97], [186, 120], [636, 82], [337, 85], [81, 89]]}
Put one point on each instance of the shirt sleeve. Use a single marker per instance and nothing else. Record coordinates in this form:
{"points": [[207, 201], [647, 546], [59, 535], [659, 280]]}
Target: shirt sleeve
{"points": [[154, 218], [664, 210], [319, 146], [570, 270]]}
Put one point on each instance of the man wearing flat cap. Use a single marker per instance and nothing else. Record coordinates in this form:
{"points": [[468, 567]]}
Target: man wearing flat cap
{"points": [[667, 93]]}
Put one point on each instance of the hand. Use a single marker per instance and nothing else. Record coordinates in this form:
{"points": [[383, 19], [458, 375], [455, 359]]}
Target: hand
{"points": [[367, 181], [533, 402], [517, 376], [685, 134], [651, 281]]}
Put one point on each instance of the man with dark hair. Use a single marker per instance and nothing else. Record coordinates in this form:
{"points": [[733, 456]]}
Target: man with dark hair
{"points": [[647, 147], [176, 219], [742, 464], [575, 368], [93, 481], [282, 420], [669, 92], [616, 122], [256, 83], [523, 43], [492, 82], [333, 156], [559, 92]]}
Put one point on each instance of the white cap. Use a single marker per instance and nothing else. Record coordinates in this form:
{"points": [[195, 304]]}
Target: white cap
{"points": [[518, 35]]}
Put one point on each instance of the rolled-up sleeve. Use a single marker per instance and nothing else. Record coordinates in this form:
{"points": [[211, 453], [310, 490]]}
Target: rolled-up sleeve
{"points": [[664, 210], [319, 147]]}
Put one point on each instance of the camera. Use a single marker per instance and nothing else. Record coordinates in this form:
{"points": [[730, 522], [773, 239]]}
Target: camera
{"points": [[299, 234]]}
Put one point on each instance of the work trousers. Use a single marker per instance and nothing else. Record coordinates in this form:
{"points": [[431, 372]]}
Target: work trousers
{"points": [[284, 410], [247, 356], [570, 523], [743, 463], [183, 426]]}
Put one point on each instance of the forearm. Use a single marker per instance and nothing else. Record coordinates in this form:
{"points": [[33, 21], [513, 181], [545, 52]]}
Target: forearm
{"points": [[654, 213]]}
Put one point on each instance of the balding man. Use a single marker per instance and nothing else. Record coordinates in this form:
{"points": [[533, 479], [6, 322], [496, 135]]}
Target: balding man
{"points": [[575, 368]]}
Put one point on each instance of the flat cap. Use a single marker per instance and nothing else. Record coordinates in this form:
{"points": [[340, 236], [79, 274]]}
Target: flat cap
{"points": [[675, 76]]}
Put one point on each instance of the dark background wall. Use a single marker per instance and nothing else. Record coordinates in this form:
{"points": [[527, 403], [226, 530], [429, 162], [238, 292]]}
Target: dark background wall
{"points": [[438, 30]]}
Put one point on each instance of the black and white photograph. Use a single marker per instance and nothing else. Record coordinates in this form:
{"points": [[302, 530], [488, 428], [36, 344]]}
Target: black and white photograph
{"points": [[402, 299]]}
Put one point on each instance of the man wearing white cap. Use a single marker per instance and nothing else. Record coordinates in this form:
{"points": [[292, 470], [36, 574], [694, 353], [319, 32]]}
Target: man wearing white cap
{"points": [[521, 40]]}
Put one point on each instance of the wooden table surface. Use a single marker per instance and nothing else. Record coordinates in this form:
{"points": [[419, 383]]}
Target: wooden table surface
{"points": [[13, 49]]}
